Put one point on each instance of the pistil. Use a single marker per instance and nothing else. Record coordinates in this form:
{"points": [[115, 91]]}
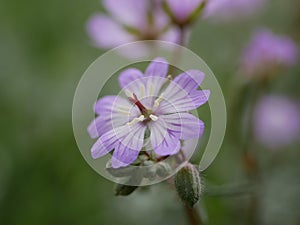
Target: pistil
{"points": [[141, 107]]}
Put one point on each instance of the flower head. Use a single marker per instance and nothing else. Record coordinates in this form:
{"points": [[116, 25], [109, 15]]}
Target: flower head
{"points": [[130, 20], [276, 121], [152, 103], [184, 11], [267, 52]]}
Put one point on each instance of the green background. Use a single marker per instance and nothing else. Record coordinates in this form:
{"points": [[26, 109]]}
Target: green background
{"points": [[44, 50]]}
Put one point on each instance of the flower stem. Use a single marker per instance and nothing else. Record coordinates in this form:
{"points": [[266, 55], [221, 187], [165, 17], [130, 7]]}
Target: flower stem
{"points": [[178, 49], [193, 215], [249, 158]]}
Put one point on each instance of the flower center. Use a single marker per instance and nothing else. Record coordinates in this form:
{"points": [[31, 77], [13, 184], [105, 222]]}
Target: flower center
{"points": [[141, 107], [146, 113]]}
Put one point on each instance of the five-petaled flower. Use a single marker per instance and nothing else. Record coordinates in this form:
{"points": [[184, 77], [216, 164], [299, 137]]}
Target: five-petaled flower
{"points": [[153, 102]]}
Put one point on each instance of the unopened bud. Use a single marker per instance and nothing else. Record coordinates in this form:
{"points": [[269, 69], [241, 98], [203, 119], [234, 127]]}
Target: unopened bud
{"points": [[188, 184]]}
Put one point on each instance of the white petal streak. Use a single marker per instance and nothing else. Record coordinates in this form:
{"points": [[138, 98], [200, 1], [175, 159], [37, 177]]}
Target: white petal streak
{"points": [[158, 131], [132, 136]]}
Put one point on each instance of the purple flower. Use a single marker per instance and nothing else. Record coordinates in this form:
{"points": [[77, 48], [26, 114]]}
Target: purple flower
{"points": [[130, 20], [232, 9], [266, 52], [182, 10], [152, 103], [276, 121]]}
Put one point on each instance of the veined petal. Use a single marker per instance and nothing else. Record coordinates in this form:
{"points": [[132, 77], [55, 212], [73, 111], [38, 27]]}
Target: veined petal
{"points": [[158, 67], [163, 140], [104, 144], [129, 76], [116, 108], [175, 99], [158, 131], [129, 12], [199, 97], [153, 86], [99, 126], [189, 126], [131, 137], [123, 156], [168, 147], [189, 80], [107, 33]]}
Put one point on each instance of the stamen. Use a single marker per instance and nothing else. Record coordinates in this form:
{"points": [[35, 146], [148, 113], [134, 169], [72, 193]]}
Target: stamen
{"points": [[128, 93], [136, 120], [158, 100], [169, 77], [153, 117], [124, 111]]}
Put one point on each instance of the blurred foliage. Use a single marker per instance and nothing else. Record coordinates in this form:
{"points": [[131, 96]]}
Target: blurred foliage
{"points": [[44, 179]]}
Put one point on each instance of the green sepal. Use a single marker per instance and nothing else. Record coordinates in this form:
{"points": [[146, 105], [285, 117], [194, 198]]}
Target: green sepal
{"points": [[188, 184]]}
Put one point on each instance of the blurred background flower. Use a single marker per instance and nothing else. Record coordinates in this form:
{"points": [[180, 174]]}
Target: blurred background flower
{"points": [[130, 20], [266, 53], [277, 121], [184, 12], [229, 10]]}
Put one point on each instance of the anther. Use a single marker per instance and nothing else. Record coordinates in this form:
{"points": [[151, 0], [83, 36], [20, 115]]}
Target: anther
{"points": [[153, 117]]}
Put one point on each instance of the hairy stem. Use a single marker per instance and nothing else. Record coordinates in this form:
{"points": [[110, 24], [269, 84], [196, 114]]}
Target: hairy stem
{"points": [[193, 215]]}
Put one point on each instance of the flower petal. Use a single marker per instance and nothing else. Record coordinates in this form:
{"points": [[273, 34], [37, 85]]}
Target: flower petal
{"points": [[199, 97], [129, 76], [131, 137], [177, 99], [163, 141], [119, 110], [104, 144], [158, 67], [107, 33], [158, 131], [189, 80], [123, 156], [168, 146], [99, 126], [129, 12], [189, 126]]}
